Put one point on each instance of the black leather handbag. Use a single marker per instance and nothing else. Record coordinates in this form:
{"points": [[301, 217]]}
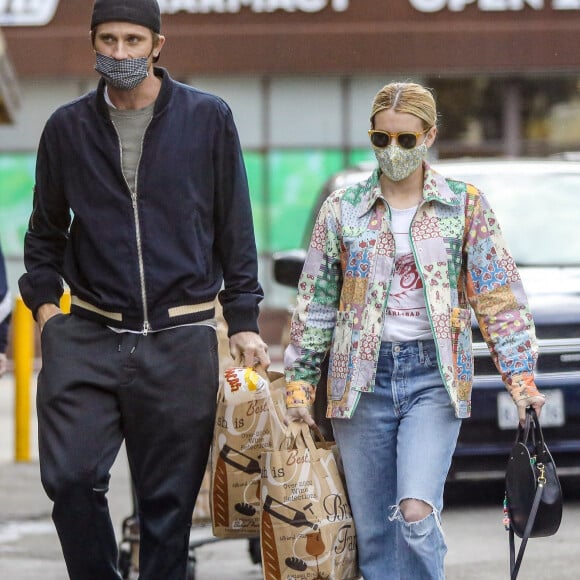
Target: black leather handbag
{"points": [[533, 491]]}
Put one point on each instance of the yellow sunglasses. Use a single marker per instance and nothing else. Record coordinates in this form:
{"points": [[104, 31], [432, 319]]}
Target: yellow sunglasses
{"points": [[406, 139]]}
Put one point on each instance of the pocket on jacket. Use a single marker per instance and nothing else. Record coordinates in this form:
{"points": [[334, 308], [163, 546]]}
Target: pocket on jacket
{"points": [[340, 354], [461, 343]]}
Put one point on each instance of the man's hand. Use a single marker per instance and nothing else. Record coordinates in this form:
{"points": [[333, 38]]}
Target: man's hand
{"points": [[299, 414], [536, 402], [249, 349], [3, 363], [45, 312]]}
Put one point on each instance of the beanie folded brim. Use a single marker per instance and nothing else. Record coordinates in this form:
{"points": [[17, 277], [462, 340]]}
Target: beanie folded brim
{"points": [[143, 12]]}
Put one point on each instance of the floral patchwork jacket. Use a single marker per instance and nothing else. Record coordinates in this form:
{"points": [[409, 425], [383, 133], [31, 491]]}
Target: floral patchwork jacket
{"points": [[463, 261]]}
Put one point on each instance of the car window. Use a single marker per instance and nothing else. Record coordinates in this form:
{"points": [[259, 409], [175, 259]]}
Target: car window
{"points": [[538, 213]]}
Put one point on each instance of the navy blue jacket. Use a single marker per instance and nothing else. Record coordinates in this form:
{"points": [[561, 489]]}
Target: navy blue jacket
{"points": [[5, 306], [157, 260]]}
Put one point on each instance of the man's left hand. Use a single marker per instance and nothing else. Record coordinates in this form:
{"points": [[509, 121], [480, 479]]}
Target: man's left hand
{"points": [[249, 349]]}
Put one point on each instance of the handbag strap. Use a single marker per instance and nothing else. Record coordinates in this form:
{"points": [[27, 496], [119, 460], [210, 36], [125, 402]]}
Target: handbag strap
{"points": [[516, 563], [532, 436], [538, 441]]}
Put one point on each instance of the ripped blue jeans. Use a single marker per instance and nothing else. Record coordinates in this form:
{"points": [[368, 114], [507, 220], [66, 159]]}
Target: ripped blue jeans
{"points": [[398, 445]]}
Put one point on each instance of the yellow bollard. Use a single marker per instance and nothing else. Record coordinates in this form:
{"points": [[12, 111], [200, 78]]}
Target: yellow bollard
{"points": [[24, 328], [65, 300], [23, 354]]}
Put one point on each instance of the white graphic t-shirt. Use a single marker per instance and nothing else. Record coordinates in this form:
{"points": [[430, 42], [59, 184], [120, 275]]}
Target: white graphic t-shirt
{"points": [[406, 316]]}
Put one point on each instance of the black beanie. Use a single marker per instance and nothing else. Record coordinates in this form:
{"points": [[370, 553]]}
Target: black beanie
{"points": [[143, 12]]}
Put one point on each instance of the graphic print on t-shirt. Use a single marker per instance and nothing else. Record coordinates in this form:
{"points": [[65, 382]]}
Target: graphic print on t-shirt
{"points": [[406, 296], [406, 316]]}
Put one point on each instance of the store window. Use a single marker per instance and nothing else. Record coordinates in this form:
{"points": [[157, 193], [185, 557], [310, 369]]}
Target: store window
{"points": [[474, 115]]}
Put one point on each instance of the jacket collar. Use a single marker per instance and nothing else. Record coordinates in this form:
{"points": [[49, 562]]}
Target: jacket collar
{"points": [[160, 103], [435, 188]]}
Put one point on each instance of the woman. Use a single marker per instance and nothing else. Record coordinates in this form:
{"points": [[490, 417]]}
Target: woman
{"points": [[394, 265]]}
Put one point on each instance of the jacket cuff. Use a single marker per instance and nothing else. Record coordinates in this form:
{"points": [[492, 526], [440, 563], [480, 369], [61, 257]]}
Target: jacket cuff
{"points": [[46, 289], [300, 394], [522, 387], [242, 314]]}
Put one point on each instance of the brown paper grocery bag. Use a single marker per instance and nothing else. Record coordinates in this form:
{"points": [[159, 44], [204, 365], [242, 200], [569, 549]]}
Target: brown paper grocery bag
{"points": [[306, 529], [242, 432]]}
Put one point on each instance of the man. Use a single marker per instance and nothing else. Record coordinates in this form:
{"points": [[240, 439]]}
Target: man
{"points": [[141, 204], [5, 313]]}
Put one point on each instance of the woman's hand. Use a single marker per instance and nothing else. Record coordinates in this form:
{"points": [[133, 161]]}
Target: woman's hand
{"points": [[537, 402], [299, 414]]}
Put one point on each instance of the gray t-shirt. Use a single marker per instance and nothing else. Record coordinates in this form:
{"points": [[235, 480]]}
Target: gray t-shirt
{"points": [[131, 125]]}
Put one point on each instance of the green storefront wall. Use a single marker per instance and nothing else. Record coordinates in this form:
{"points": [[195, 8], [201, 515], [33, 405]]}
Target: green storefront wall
{"points": [[16, 185], [284, 185]]}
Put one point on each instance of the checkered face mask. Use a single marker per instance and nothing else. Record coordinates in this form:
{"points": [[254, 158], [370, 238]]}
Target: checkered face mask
{"points": [[124, 74]]}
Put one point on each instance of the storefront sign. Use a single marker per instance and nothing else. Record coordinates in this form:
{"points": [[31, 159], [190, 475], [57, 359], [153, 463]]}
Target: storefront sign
{"points": [[221, 6], [41, 12], [493, 5], [27, 12]]}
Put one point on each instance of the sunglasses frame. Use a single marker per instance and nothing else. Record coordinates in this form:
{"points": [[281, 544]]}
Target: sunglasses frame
{"points": [[395, 136]]}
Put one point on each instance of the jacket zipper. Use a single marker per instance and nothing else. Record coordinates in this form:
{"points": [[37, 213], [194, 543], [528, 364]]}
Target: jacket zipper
{"points": [[134, 204], [146, 326]]}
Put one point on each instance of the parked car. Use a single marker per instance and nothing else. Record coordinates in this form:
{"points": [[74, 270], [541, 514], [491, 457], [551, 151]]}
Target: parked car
{"points": [[537, 203]]}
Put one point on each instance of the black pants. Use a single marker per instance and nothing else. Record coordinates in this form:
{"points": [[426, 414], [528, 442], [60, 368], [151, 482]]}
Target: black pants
{"points": [[158, 393]]}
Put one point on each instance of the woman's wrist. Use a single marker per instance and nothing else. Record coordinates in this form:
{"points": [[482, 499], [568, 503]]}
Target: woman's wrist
{"points": [[299, 394]]}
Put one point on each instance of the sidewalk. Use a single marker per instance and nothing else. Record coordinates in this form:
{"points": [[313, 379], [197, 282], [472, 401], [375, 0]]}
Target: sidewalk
{"points": [[29, 548]]}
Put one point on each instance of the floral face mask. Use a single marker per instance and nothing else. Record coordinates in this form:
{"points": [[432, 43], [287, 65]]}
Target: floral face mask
{"points": [[398, 163]]}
